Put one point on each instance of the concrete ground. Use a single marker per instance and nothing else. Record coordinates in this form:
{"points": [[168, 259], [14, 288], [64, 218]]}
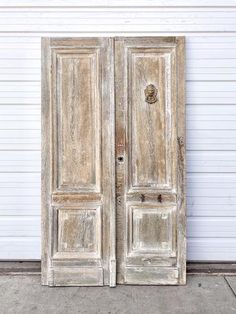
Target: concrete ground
{"points": [[202, 294]]}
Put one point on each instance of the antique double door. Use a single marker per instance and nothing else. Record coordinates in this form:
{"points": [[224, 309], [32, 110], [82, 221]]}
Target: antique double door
{"points": [[113, 136]]}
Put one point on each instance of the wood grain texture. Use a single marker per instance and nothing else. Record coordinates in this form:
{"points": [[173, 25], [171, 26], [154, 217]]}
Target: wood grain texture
{"points": [[150, 161], [148, 151], [78, 162], [181, 166], [46, 172], [79, 129], [151, 230], [79, 231], [103, 220]]}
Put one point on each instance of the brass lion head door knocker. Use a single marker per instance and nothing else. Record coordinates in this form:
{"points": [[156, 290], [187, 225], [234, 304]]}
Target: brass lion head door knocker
{"points": [[150, 94]]}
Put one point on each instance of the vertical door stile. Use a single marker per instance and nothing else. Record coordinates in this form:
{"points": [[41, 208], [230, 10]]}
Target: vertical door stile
{"points": [[120, 141], [46, 163], [110, 123], [181, 172]]}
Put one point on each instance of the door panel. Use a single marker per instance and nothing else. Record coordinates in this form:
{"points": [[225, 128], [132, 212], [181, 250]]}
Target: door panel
{"points": [[78, 180], [79, 232], [150, 160], [149, 124], [79, 120], [150, 230]]}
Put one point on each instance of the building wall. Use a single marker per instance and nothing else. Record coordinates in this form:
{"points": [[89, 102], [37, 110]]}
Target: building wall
{"points": [[210, 30]]}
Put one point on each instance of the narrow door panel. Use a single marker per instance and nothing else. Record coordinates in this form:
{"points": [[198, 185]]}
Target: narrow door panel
{"points": [[79, 120], [150, 160], [149, 126], [78, 162]]}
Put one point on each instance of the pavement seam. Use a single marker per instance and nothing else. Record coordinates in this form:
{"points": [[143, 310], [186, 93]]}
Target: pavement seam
{"points": [[228, 284]]}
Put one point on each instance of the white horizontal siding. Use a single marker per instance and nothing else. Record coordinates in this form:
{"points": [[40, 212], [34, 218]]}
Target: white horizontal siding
{"points": [[210, 30], [211, 227], [211, 249], [118, 20], [23, 248], [116, 3], [22, 226]]}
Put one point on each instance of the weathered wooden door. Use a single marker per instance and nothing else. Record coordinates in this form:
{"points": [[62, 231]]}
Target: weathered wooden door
{"points": [[113, 166], [78, 179], [150, 132], [150, 160]]}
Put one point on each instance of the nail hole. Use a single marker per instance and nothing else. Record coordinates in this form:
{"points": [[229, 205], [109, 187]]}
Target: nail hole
{"points": [[159, 198], [120, 159]]}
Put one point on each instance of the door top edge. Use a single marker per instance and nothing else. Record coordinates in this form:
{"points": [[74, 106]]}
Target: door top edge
{"points": [[116, 38]]}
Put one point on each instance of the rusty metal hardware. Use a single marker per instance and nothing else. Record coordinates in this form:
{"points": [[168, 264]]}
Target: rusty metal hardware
{"points": [[150, 94]]}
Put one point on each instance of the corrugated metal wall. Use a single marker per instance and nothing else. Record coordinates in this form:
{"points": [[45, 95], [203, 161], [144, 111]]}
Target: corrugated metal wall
{"points": [[210, 30]]}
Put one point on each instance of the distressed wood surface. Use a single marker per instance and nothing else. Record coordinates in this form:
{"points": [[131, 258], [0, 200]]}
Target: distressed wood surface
{"points": [[46, 173], [79, 129], [148, 151], [78, 162], [79, 231], [113, 191], [181, 166], [150, 160]]}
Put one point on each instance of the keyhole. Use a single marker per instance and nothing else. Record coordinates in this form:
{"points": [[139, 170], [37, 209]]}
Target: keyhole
{"points": [[120, 158], [159, 198]]}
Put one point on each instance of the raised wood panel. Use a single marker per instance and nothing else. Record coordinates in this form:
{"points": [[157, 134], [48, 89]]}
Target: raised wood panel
{"points": [[79, 131], [79, 232], [151, 230], [149, 123]]}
